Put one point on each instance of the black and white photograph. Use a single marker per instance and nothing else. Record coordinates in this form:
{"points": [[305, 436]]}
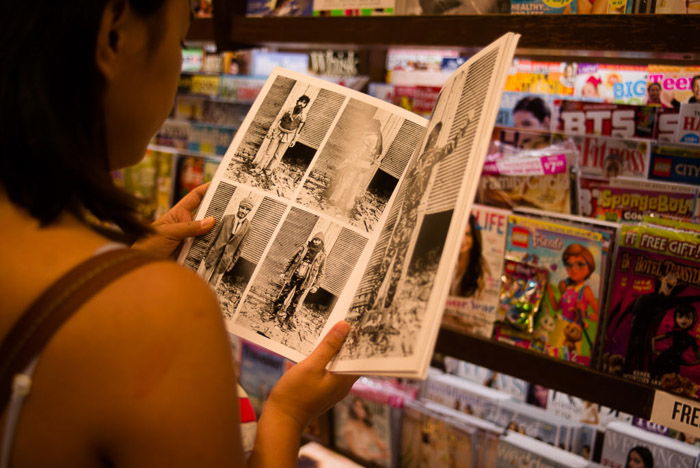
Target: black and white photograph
{"points": [[303, 274], [227, 256], [285, 135], [388, 311], [359, 167]]}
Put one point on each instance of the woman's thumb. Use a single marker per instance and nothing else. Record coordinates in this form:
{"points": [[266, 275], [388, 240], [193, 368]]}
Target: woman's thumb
{"points": [[330, 345]]}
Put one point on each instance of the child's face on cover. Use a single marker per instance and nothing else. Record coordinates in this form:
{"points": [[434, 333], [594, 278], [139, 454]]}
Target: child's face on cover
{"points": [[576, 268], [684, 321]]}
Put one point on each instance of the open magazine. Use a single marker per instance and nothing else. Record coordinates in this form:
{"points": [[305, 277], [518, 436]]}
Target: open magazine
{"points": [[331, 204]]}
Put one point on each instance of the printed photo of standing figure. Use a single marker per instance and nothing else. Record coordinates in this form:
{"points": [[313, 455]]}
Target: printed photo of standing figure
{"points": [[389, 309], [360, 164], [283, 138], [298, 283], [227, 256], [225, 248]]}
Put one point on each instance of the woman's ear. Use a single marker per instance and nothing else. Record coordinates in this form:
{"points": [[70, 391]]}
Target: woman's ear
{"points": [[110, 37]]}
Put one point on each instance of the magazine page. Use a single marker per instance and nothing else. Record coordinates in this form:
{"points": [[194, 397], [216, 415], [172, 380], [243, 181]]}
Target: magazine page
{"points": [[300, 193], [398, 304]]}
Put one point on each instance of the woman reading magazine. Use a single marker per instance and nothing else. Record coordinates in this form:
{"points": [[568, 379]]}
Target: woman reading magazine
{"points": [[140, 373]]}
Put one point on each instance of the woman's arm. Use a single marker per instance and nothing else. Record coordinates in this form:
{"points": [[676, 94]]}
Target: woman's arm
{"points": [[304, 392]]}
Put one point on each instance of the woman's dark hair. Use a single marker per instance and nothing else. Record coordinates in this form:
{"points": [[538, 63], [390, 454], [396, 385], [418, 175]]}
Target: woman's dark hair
{"points": [[644, 453], [471, 279], [53, 153], [654, 84], [531, 396], [367, 420], [535, 105]]}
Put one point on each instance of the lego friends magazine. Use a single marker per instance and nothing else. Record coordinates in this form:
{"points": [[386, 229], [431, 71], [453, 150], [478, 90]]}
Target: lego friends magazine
{"points": [[652, 328], [557, 315]]}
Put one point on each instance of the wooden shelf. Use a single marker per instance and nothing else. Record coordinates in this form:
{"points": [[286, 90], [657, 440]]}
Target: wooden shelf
{"points": [[614, 38], [201, 30], [585, 383], [634, 35]]}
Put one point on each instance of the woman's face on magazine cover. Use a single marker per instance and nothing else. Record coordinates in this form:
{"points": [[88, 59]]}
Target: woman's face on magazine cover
{"points": [[465, 249], [635, 460], [526, 119]]}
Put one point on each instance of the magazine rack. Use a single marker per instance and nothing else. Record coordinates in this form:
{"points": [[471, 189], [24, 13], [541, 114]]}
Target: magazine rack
{"points": [[603, 38]]}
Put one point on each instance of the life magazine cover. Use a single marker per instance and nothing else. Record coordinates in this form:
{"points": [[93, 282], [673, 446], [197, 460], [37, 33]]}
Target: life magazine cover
{"points": [[332, 205]]}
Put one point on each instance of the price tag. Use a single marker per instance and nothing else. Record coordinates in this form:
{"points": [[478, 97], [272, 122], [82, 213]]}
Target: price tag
{"points": [[676, 412]]}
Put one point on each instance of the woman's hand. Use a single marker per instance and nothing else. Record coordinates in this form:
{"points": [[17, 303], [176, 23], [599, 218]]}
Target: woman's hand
{"points": [[308, 389], [176, 225]]}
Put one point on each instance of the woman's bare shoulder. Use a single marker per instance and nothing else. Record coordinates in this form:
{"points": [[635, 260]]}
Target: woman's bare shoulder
{"points": [[150, 351]]}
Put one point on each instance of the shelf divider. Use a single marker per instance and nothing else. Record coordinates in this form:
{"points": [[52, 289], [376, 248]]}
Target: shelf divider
{"points": [[641, 34], [588, 384]]}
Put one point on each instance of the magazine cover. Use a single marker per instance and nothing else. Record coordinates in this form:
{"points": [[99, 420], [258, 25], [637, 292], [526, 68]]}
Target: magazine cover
{"points": [[527, 111], [565, 325], [279, 8], [628, 200], [516, 388], [455, 7], [473, 297], [429, 439], [666, 124], [517, 450], [587, 412], [507, 141], [677, 83], [191, 172], [259, 371], [651, 334], [151, 181], [593, 418], [611, 157], [315, 455], [531, 76], [541, 179], [462, 395], [363, 427], [541, 7], [314, 227], [606, 119], [626, 445], [624, 84], [538, 423], [675, 163], [688, 128]]}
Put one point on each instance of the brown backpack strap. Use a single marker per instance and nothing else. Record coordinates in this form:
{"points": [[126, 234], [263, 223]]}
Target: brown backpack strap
{"points": [[55, 306]]}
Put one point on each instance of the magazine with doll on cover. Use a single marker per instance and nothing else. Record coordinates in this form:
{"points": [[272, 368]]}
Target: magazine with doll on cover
{"points": [[332, 205]]}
